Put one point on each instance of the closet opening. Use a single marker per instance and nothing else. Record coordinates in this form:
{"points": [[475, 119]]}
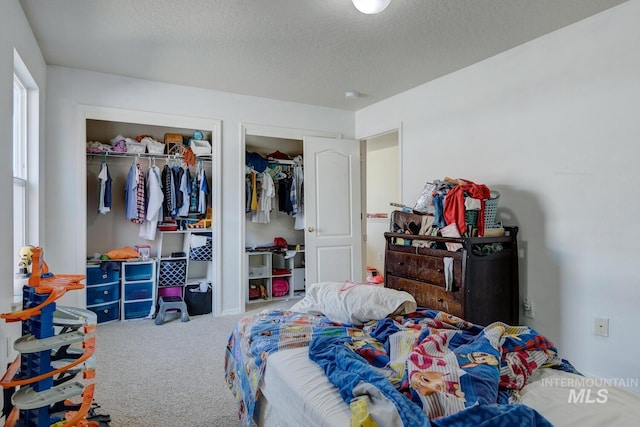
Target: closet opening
{"points": [[133, 261], [274, 228], [274, 218]]}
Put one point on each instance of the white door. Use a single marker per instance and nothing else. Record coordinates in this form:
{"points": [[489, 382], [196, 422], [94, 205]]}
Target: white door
{"points": [[333, 236]]}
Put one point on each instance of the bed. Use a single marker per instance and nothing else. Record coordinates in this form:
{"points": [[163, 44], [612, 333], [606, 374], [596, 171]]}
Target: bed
{"points": [[337, 359]]}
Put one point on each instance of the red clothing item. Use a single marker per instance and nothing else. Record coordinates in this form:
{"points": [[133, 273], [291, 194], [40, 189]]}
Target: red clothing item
{"points": [[454, 205]]}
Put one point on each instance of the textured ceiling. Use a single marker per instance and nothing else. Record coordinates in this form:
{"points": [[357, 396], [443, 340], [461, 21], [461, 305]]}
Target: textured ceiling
{"points": [[308, 51]]}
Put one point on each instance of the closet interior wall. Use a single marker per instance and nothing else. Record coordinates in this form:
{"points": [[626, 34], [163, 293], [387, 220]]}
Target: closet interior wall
{"points": [[281, 224]]}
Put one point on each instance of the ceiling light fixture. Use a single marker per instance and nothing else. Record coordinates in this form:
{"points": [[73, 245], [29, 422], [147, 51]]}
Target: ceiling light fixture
{"points": [[371, 6], [352, 94]]}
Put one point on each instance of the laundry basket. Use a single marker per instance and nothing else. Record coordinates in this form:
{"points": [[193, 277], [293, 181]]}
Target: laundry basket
{"points": [[490, 208], [471, 217]]}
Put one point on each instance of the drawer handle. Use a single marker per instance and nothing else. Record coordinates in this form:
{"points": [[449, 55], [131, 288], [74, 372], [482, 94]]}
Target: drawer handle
{"points": [[106, 292], [441, 300], [105, 311], [104, 276], [439, 270]]}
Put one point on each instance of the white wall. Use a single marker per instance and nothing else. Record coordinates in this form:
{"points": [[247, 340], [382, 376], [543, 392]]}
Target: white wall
{"points": [[70, 87], [14, 33], [553, 126]]}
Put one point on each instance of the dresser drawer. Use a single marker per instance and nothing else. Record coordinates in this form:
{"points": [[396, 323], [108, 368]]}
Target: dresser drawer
{"points": [[95, 276], [103, 293], [428, 296], [425, 268]]}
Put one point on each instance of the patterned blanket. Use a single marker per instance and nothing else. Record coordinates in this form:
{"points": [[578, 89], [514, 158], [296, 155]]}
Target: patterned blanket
{"points": [[424, 368]]}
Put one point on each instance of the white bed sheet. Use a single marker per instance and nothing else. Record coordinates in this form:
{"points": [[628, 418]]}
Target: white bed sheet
{"points": [[296, 392]]}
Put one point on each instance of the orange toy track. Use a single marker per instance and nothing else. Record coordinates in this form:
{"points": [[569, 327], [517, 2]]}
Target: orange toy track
{"points": [[77, 418], [54, 286], [72, 418], [8, 381]]}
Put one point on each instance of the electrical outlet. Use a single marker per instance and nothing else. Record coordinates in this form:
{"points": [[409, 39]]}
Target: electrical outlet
{"points": [[601, 326], [528, 308]]}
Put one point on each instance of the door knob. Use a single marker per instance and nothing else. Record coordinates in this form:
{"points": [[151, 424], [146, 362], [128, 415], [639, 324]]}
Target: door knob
{"points": [[311, 229]]}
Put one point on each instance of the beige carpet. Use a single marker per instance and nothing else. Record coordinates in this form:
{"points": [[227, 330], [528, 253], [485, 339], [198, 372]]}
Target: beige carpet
{"points": [[167, 375]]}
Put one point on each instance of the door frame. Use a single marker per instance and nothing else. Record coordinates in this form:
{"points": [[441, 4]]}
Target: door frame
{"points": [[273, 132]]}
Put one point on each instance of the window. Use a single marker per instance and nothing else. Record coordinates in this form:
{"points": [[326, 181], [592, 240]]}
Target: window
{"points": [[25, 162]]}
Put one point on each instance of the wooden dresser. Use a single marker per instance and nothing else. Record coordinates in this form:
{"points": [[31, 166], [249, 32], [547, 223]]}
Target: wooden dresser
{"points": [[483, 281]]}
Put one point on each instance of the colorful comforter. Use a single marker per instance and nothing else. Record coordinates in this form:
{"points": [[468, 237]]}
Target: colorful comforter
{"points": [[424, 368]]}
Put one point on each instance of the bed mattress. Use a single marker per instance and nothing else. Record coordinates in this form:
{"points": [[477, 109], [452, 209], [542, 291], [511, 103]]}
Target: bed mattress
{"points": [[296, 392]]}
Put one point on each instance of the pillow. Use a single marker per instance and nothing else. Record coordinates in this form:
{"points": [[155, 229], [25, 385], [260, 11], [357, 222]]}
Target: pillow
{"points": [[126, 252], [357, 303]]}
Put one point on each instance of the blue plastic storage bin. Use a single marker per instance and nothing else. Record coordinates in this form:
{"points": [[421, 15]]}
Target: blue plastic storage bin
{"points": [[95, 276], [137, 310], [142, 271], [142, 290], [103, 293], [106, 312]]}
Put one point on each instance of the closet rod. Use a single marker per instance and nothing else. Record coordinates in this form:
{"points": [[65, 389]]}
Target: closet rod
{"points": [[206, 158]]}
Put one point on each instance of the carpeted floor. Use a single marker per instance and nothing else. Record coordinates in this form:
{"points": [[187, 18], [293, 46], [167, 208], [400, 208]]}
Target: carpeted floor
{"points": [[171, 374]]}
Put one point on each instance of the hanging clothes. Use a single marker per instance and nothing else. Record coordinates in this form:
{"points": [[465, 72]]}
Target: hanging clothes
{"points": [[284, 190], [140, 197], [195, 190], [247, 193], [178, 172], [169, 191], [254, 191], [297, 190], [184, 189], [203, 190], [265, 200], [130, 193], [155, 201], [104, 196]]}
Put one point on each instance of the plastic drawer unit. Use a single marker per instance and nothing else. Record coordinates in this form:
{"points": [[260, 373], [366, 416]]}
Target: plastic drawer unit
{"points": [[138, 289], [103, 292]]}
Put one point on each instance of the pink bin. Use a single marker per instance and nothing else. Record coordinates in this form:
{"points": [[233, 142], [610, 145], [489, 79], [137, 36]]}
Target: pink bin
{"points": [[172, 291], [279, 287]]}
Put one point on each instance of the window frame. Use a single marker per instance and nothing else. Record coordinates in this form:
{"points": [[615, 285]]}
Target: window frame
{"points": [[25, 163]]}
